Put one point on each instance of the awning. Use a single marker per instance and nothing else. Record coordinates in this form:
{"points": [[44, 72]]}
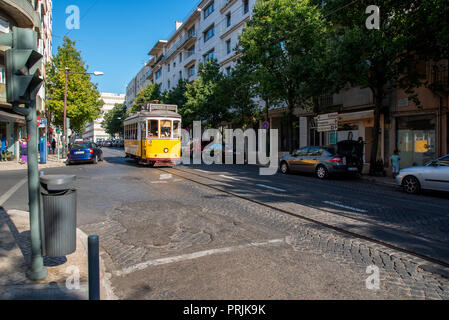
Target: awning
{"points": [[12, 117]]}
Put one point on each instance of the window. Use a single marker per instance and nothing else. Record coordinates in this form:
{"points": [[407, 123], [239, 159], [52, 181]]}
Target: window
{"points": [[315, 152], [168, 67], [228, 46], [208, 11], [245, 6], [158, 74], [191, 32], [180, 75], [209, 56], [191, 71], [165, 128], [190, 51], [209, 33], [169, 84], [302, 152], [176, 129], [180, 57], [153, 129], [228, 20], [174, 65], [444, 162], [228, 71]]}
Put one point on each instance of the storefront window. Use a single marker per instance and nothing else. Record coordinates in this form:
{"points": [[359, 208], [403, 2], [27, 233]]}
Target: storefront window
{"points": [[416, 140]]}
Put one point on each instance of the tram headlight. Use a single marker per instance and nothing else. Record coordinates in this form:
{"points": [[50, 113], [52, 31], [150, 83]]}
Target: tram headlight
{"points": [[166, 150]]}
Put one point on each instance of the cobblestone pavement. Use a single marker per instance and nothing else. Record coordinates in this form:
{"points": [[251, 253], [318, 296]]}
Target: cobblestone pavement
{"points": [[143, 215]]}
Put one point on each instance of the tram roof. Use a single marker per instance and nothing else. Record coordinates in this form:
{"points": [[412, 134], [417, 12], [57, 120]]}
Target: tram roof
{"points": [[156, 110]]}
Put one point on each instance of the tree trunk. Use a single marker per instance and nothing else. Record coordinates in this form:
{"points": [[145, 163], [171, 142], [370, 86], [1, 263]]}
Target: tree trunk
{"points": [[290, 126], [378, 96]]}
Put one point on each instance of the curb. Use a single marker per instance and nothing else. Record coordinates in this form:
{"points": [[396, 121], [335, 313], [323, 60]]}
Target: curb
{"points": [[106, 291]]}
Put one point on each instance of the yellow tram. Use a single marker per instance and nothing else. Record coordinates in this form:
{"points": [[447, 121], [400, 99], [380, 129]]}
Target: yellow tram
{"points": [[153, 136]]}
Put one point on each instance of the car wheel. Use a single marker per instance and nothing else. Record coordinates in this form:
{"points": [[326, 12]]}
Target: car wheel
{"points": [[411, 185], [321, 172], [95, 160], [284, 168]]}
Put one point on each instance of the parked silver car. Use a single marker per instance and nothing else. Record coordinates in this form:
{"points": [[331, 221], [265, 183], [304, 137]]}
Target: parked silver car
{"points": [[432, 176], [341, 158]]}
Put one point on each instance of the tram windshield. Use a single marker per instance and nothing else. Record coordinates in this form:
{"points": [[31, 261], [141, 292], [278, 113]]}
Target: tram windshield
{"points": [[153, 128], [165, 129], [176, 129]]}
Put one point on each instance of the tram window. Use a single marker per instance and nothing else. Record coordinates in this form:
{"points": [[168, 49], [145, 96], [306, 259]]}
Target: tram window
{"points": [[153, 128], [176, 129], [165, 128]]}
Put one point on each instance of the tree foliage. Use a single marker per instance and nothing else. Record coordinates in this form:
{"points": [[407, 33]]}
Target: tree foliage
{"points": [[282, 44], [114, 120], [205, 98], [83, 99], [151, 92]]}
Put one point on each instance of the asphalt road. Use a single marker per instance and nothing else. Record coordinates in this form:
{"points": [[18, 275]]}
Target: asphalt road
{"points": [[216, 232]]}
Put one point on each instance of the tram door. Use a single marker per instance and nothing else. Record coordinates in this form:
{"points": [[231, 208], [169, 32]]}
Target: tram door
{"points": [[142, 138]]}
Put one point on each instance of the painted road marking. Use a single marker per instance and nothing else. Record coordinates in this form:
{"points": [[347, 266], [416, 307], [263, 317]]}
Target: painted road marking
{"points": [[11, 191], [272, 188], [345, 207], [202, 171], [192, 256], [158, 182], [165, 177], [227, 177]]}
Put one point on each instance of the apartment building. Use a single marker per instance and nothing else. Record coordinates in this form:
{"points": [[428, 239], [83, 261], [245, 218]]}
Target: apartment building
{"points": [[37, 15], [94, 130], [139, 82], [210, 31]]}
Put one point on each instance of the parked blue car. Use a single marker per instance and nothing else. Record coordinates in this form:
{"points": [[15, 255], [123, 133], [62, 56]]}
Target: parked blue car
{"points": [[87, 152]]}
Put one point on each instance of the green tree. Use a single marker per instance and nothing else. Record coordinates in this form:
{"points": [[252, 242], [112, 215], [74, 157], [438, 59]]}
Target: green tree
{"points": [[380, 59], [114, 120], [177, 96], [205, 101], [281, 44], [83, 99], [149, 93]]}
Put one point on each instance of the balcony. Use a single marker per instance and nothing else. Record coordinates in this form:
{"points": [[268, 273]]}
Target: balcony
{"points": [[185, 40], [227, 5], [440, 78], [22, 12]]}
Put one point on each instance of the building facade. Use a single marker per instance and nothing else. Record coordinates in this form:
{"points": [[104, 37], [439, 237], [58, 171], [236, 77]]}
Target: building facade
{"points": [[94, 130], [210, 31], [37, 15]]}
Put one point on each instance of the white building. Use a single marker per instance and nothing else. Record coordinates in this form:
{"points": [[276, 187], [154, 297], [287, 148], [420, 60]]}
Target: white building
{"points": [[94, 130], [210, 31], [139, 82]]}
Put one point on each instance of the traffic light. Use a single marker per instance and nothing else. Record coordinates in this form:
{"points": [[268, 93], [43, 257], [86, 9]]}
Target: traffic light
{"points": [[22, 64]]}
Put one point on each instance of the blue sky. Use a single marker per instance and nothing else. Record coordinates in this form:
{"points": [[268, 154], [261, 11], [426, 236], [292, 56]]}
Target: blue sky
{"points": [[116, 36]]}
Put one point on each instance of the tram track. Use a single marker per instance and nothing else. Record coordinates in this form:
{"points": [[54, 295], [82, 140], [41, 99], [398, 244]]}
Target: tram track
{"points": [[179, 173]]}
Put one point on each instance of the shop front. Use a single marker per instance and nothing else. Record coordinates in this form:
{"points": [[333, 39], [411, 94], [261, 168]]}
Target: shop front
{"points": [[416, 139], [12, 128]]}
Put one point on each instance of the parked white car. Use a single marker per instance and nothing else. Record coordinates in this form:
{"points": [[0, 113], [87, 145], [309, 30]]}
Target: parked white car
{"points": [[432, 176]]}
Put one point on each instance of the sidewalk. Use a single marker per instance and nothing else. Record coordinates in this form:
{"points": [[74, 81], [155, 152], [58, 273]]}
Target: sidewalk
{"points": [[14, 260], [52, 162], [386, 181]]}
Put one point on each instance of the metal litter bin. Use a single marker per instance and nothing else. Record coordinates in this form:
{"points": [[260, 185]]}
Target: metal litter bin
{"points": [[58, 215]]}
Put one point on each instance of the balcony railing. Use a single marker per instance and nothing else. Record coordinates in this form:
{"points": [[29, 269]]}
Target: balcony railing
{"points": [[180, 43], [440, 78]]}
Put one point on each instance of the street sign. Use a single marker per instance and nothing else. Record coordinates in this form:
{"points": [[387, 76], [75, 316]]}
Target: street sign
{"points": [[265, 125], [327, 122], [42, 123]]}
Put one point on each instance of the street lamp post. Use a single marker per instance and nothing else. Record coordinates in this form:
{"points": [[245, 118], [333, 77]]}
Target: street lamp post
{"points": [[66, 76]]}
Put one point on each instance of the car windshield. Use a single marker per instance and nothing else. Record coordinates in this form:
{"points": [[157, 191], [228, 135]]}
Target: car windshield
{"points": [[81, 146]]}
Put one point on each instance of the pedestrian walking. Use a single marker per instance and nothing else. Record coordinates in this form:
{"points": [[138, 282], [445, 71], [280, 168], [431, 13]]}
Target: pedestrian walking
{"points": [[53, 145], [395, 163], [3, 147]]}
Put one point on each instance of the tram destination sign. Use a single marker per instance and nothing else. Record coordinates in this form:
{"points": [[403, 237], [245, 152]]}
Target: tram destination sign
{"points": [[327, 122]]}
